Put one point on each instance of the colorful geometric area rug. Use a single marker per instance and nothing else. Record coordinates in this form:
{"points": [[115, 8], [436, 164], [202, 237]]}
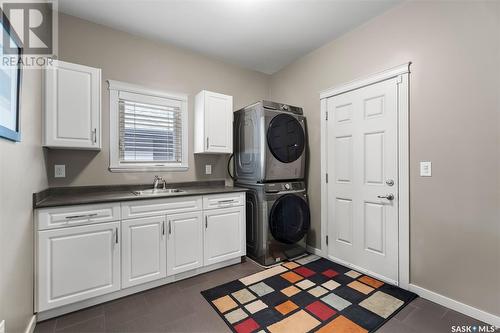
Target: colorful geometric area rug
{"points": [[310, 294]]}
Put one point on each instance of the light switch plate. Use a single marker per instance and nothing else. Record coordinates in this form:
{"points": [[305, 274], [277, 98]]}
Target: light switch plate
{"points": [[59, 171], [2, 326], [208, 169], [426, 169]]}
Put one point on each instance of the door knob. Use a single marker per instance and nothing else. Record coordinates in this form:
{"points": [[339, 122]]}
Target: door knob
{"points": [[389, 196]]}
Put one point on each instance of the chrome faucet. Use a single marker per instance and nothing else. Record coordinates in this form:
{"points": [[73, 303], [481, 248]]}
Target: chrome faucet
{"points": [[159, 180]]}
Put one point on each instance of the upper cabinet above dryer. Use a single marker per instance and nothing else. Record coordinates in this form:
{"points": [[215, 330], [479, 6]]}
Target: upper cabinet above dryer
{"points": [[72, 106], [213, 123]]}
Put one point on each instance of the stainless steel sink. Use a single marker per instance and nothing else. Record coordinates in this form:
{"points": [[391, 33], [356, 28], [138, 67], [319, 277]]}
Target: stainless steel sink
{"points": [[158, 191]]}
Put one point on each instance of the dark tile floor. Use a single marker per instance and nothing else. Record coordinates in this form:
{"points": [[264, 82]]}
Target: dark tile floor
{"points": [[179, 307]]}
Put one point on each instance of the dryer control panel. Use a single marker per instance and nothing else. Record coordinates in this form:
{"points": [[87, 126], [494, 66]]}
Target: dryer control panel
{"points": [[284, 186]]}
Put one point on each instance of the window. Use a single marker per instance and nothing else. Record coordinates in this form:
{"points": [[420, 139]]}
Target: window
{"points": [[148, 129]]}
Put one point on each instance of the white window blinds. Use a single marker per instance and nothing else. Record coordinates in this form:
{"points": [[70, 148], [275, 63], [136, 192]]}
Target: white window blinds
{"points": [[150, 129]]}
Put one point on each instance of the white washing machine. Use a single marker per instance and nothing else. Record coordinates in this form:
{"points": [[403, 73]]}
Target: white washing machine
{"points": [[269, 143]]}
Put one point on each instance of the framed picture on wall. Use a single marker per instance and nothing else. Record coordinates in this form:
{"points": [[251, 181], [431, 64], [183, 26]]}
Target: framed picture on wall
{"points": [[10, 81]]}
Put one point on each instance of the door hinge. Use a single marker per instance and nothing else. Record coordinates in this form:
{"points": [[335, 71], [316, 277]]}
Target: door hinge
{"points": [[326, 176], [326, 115], [327, 240]]}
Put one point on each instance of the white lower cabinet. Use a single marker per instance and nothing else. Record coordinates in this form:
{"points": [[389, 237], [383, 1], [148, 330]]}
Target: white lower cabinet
{"points": [[77, 263], [224, 234], [85, 251], [143, 250], [185, 242]]}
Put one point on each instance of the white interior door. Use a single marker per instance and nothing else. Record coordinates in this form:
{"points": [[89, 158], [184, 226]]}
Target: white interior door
{"points": [[362, 164]]}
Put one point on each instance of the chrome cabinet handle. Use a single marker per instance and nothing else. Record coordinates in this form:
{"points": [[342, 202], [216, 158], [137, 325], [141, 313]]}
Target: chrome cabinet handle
{"points": [[169, 227], [80, 216], [207, 142], [206, 222], [163, 228], [95, 135], [116, 235], [389, 196], [226, 202]]}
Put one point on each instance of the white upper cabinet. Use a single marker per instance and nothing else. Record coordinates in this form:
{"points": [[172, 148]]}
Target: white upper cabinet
{"points": [[213, 123], [72, 106]]}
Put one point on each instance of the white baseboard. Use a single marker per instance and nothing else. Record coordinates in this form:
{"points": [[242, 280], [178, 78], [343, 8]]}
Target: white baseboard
{"points": [[456, 305], [440, 299], [314, 250], [31, 325]]}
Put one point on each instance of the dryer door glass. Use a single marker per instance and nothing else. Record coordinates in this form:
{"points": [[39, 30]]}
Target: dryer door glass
{"points": [[285, 138], [289, 219]]}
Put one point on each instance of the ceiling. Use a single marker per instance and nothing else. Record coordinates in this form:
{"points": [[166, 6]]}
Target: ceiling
{"points": [[263, 35]]}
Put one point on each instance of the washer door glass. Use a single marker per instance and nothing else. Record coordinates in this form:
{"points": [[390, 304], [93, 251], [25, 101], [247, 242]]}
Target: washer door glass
{"points": [[289, 219], [285, 138]]}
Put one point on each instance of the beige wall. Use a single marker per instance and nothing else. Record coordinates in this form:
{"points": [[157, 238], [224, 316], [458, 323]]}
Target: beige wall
{"points": [[133, 59], [22, 172], [455, 106], [454, 115]]}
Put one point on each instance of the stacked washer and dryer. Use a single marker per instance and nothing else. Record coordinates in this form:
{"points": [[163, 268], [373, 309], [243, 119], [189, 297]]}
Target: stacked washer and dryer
{"points": [[270, 160]]}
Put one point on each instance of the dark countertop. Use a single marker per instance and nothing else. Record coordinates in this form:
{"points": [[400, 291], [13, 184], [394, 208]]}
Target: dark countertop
{"points": [[67, 196]]}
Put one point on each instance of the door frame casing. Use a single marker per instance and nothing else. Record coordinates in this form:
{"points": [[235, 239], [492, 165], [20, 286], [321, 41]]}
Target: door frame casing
{"points": [[402, 74]]}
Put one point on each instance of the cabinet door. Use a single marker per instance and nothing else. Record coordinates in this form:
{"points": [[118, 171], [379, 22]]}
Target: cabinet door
{"points": [[224, 234], [77, 263], [185, 242], [143, 250], [218, 123], [72, 106]]}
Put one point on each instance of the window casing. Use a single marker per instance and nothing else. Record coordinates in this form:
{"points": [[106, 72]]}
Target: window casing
{"points": [[148, 129]]}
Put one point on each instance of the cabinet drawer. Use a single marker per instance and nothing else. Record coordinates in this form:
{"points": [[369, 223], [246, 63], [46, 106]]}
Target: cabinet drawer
{"points": [[155, 207], [51, 218], [223, 200]]}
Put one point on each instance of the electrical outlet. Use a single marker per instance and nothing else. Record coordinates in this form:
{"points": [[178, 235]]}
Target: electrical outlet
{"points": [[208, 169], [60, 171], [426, 169]]}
